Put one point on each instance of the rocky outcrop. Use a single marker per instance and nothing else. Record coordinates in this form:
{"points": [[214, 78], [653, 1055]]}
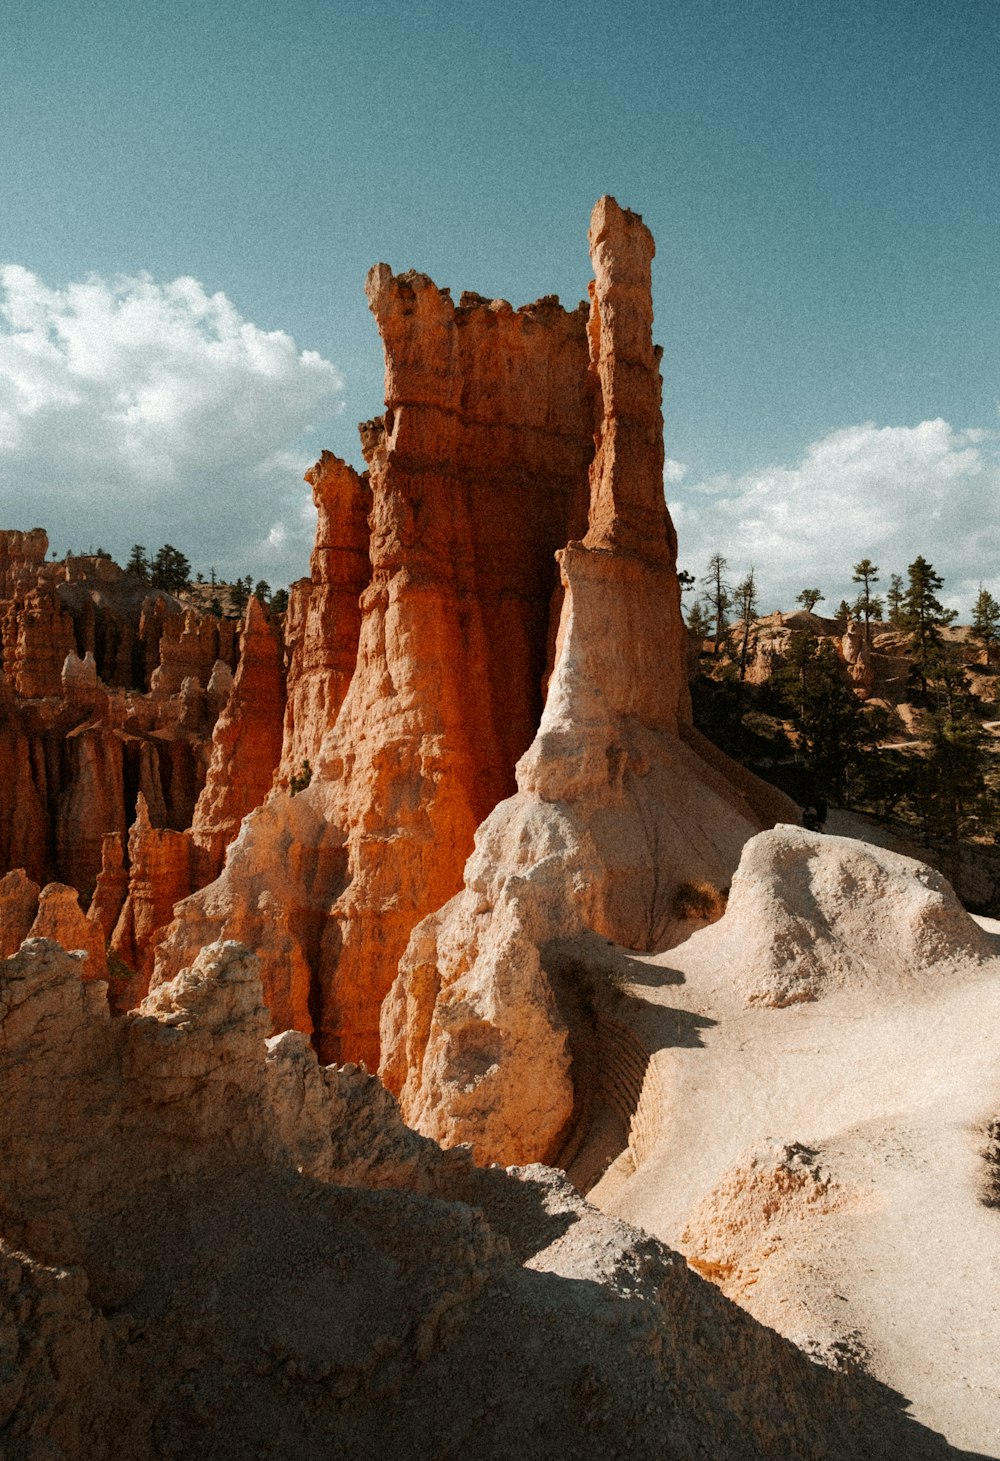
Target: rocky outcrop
{"points": [[478, 473], [191, 1266], [92, 803], [18, 906], [60, 918], [159, 877], [44, 637], [22, 560], [857, 657], [246, 745], [111, 888], [810, 914], [615, 805], [323, 621], [81, 735]]}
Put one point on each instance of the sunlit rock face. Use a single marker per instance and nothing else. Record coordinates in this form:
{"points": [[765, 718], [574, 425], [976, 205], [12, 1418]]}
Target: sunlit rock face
{"points": [[246, 745], [323, 620], [615, 806], [477, 474], [519, 609], [210, 1245]]}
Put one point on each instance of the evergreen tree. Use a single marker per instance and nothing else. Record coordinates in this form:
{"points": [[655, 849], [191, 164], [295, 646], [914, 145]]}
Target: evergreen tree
{"points": [[948, 792], [686, 580], [831, 727], [239, 594], [894, 601], [809, 598], [279, 600], [170, 569], [718, 596], [698, 622], [923, 614], [867, 606], [138, 563], [843, 614], [745, 604], [986, 623], [262, 591]]}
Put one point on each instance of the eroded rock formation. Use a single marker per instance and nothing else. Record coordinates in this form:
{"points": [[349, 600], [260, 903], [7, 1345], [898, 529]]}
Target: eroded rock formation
{"points": [[82, 731], [615, 805], [501, 425], [323, 620], [201, 1266], [477, 473], [246, 745], [809, 914]]}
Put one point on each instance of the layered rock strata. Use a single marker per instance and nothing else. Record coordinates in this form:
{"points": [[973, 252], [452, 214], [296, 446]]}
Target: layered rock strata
{"points": [[104, 694], [615, 805], [246, 745], [478, 473], [501, 425], [323, 621]]}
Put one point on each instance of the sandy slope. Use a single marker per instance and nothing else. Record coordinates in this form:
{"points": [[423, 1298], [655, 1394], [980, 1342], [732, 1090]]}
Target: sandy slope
{"points": [[824, 1162]]}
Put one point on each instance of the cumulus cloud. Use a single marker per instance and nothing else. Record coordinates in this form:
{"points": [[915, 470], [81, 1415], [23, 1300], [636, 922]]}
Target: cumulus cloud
{"points": [[133, 411], [886, 493]]}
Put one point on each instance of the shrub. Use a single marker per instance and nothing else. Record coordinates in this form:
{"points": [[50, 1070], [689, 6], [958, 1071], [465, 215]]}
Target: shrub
{"points": [[698, 899]]}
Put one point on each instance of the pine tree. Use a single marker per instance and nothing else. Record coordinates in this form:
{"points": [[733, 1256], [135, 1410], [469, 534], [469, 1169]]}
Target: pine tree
{"points": [[867, 606], [986, 623], [809, 598], [948, 793], [745, 604], [843, 614], [718, 596], [923, 614], [832, 729], [170, 569], [279, 600], [138, 563], [698, 621], [894, 601]]}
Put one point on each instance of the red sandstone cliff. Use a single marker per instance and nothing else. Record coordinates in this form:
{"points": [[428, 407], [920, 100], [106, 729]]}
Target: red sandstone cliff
{"points": [[109, 696], [246, 745], [614, 807], [323, 620], [479, 472]]}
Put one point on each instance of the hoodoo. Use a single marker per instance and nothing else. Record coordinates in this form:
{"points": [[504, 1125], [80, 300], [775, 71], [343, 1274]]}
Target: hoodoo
{"points": [[500, 426], [615, 805]]}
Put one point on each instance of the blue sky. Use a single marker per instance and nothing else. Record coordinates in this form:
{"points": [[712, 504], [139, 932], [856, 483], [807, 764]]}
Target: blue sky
{"points": [[821, 180]]}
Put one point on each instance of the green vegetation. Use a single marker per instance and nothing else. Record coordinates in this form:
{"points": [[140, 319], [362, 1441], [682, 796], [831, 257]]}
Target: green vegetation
{"points": [[867, 606], [986, 623], [802, 722], [300, 779]]}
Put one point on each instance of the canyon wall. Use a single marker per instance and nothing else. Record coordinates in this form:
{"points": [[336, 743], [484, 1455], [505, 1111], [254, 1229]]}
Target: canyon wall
{"points": [[120, 719]]}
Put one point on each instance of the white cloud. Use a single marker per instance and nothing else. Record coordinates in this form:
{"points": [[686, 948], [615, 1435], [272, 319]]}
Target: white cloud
{"points": [[132, 411], [886, 493], [674, 471]]}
